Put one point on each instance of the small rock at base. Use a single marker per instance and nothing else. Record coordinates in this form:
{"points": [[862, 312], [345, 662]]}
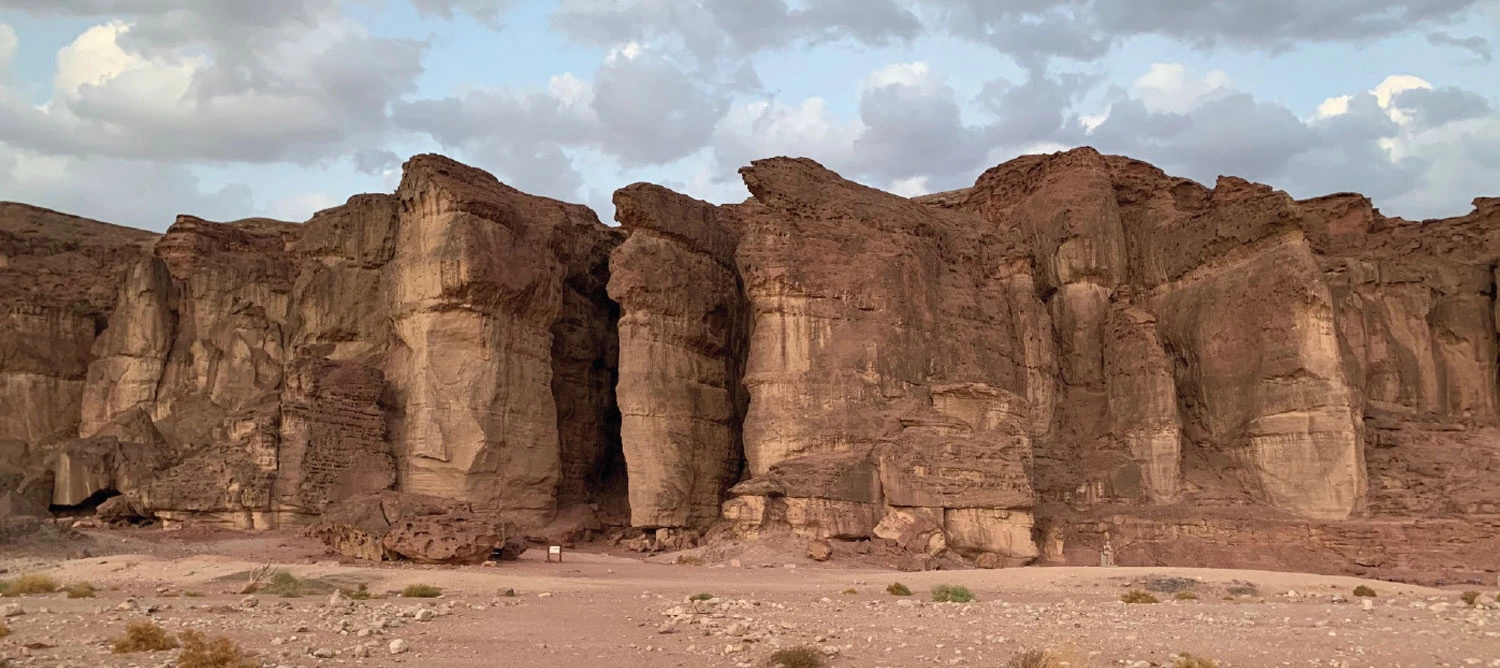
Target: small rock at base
{"points": [[399, 646]]}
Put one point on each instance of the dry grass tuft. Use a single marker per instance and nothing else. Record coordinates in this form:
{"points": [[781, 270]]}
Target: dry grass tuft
{"points": [[4, 630], [1186, 660], [1138, 596], [701, 596], [1185, 596], [220, 652], [798, 657], [34, 583], [143, 637]]}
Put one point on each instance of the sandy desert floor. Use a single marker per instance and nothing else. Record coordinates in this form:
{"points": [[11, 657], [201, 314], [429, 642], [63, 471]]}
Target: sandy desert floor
{"points": [[597, 609]]}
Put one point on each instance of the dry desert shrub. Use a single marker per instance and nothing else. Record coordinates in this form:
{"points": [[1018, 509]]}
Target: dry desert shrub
{"points": [[1050, 658], [798, 657], [1186, 660], [220, 652], [1364, 592], [1185, 596], [701, 596], [1470, 598], [898, 589], [143, 637], [4, 630], [80, 590], [1138, 596], [421, 591]]}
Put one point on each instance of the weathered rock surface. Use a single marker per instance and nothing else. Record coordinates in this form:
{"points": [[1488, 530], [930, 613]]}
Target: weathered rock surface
{"points": [[429, 335], [1078, 346], [424, 529]]}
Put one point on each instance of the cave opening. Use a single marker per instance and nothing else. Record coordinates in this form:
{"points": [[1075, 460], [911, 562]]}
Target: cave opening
{"points": [[86, 507]]}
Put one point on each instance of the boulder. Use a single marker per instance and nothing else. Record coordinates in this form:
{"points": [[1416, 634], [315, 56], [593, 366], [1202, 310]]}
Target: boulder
{"points": [[819, 550], [420, 528], [450, 538]]}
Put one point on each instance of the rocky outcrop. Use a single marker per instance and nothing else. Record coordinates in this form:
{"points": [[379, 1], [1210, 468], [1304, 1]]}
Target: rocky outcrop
{"points": [[476, 287], [683, 330], [1078, 349]]}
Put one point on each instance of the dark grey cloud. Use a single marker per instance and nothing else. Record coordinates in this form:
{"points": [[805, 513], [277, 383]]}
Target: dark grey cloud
{"points": [[914, 128], [1440, 106], [518, 136], [1476, 45], [1030, 30], [651, 112], [715, 30]]}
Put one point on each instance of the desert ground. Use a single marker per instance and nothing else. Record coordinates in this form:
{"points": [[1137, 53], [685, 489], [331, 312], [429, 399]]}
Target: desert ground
{"points": [[609, 607]]}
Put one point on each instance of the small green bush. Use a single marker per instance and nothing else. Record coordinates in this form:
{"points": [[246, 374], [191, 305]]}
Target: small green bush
{"points": [[421, 591], [1185, 596], [952, 594], [34, 583], [1138, 596], [898, 589], [701, 596], [360, 593], [143, 637], [1364, 592], [798, 657], [1470, 598], [282, 584], [80, 590], [221, 652], [1186, 660]]}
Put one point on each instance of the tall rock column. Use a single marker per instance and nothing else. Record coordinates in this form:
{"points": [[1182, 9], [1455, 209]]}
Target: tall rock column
{"points": [[474, 292], [131, 354], [683, 339]]}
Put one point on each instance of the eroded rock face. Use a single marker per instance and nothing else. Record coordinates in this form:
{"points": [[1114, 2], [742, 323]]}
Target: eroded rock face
{"points": [[476, 288], [1079, 345]]}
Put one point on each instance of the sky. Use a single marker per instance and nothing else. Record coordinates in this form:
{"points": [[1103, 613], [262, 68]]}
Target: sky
{"points": [[134, 111]]}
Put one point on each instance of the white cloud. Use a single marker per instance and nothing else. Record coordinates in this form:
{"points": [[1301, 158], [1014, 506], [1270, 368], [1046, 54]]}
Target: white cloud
{"points": [[911, 187], [767, 128], [1167, 87], [916, 75]]}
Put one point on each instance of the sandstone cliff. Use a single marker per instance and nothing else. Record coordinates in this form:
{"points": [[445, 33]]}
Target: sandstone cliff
{"points": [[1079, 350]]}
